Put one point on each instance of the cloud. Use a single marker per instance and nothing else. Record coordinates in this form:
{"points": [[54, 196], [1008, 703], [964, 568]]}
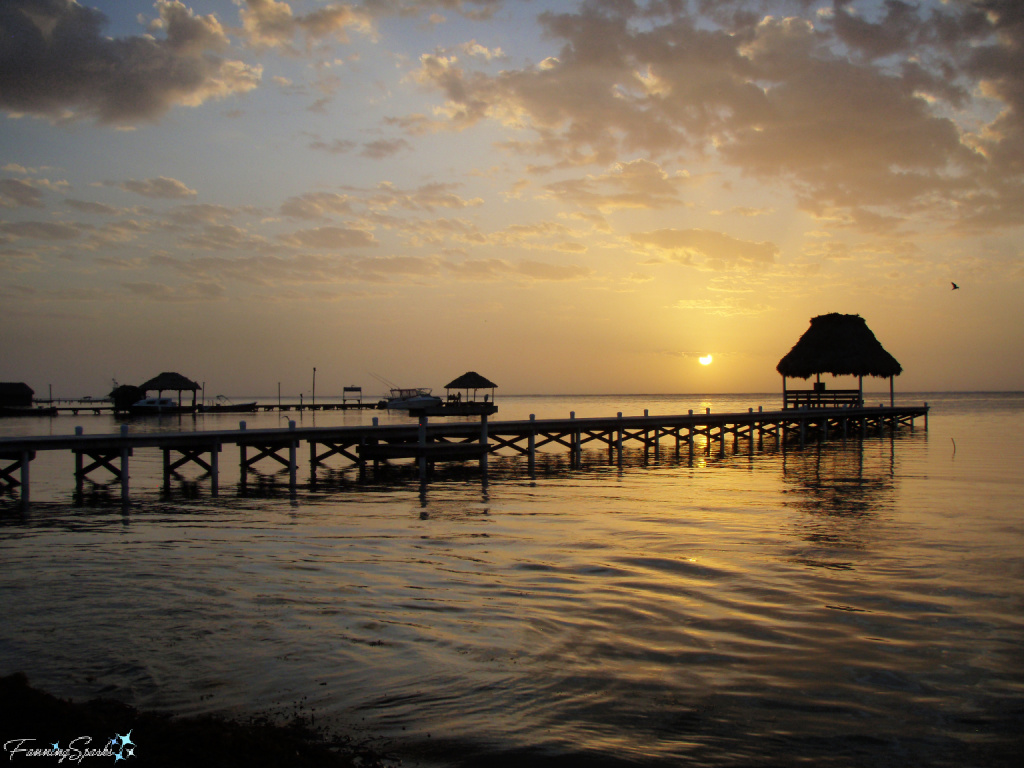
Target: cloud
{"points": [[161, 187], [382, 148], [17, 193], [273, 24], [57, 63], [706, 248], [722, 307], [91, 207], [635, 184], [336, 147], [488, 270], [315, 205], [329, 237], [889, 112], [189, 292], [40, 230]]}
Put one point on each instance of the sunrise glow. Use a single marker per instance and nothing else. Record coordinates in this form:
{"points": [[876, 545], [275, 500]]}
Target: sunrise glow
{"points": [[565, 197]]}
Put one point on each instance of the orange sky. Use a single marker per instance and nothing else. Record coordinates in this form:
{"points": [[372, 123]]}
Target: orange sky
{"points": [[565, 197]]}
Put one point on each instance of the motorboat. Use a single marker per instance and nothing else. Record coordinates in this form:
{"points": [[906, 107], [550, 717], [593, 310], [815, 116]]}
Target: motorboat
{"points": [[224, 405], [158, 405], [416, 399]]}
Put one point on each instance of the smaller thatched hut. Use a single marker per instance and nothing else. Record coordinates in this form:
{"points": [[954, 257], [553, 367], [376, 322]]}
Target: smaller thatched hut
{"points": [[471, 380], [15, 394], [171, 382], [124, 396], [840, 345]]}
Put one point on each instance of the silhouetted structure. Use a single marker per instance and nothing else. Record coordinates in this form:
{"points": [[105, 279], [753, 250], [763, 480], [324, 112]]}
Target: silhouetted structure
{"points": [[171, 382], [15, 394], [123, 396], [840, 345], [471, 380]]}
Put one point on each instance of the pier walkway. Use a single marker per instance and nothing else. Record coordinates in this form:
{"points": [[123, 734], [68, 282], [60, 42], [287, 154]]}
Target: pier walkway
{"points": [[447, 441]]}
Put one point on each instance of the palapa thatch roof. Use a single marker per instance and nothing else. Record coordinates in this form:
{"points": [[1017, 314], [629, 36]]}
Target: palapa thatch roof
{"points": [[841, 345], [169, 382], [471, 380]]}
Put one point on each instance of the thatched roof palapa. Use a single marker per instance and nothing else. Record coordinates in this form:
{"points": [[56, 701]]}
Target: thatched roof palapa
{"points": [[471, 380], [841, 345], [169, 382]]}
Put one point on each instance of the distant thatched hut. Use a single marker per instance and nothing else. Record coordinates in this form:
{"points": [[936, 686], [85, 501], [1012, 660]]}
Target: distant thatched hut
{"points": [[840, 345], [171, 382], [471, 380], [124, 396], [15, 394]]}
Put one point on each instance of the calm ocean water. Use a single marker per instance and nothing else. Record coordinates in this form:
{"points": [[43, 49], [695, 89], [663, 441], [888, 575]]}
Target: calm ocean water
{"points": [[850, 604]]}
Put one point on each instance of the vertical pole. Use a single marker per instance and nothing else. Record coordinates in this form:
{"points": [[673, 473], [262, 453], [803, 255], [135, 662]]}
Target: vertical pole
{"points": [[926, 417], [243, 470], [892, 393], [126, 451], [26, 459], [647, 441], [79, 477], [531, 458], [618, 441], [422, 435], [215, 470], [484, 442], [376, 461], [314, 388], [292, 459], [573, 442], [167, 470]]}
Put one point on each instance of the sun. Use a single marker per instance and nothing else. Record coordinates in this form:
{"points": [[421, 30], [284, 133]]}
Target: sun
{"points": [[706, 360]]}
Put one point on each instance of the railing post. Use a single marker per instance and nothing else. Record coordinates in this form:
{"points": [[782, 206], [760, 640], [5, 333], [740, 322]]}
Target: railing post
{"points": [[126, 451], [532, 448], [484, 442], [292, 459], [243, 467]]}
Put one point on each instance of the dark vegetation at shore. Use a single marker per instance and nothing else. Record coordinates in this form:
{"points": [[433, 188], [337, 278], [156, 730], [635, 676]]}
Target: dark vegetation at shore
{"points": [[164, 741]]}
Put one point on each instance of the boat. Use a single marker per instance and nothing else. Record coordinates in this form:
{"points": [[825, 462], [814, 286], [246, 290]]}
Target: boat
{"points": [[415, 399], [158, 405], [39, 410], [224, 405]]}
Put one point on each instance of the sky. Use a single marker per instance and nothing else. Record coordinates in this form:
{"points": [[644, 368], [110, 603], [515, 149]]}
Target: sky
{"points": [[566, 197]]}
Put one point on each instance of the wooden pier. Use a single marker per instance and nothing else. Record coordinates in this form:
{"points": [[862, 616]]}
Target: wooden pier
{"points": [[428, 443]]}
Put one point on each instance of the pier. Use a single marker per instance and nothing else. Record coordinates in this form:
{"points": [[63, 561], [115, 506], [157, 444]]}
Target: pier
{"points": [[428, 443]]}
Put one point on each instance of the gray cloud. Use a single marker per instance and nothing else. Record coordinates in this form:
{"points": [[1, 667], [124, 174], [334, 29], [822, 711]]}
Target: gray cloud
{"points": [[857, 106], [161, 187], [56, 62], [16, 193]]}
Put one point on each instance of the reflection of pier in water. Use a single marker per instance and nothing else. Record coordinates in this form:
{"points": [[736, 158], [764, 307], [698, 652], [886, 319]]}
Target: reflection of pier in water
{"points": [[428, 443]]}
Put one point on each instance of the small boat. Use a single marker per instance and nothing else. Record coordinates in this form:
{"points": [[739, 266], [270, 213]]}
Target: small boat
{"points": [[158, 405], [224, 405], [39, 410], [416, 399]]}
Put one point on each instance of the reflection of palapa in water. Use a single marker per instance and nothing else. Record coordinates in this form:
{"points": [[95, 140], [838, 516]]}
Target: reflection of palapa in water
{"points": [[840, 497]]}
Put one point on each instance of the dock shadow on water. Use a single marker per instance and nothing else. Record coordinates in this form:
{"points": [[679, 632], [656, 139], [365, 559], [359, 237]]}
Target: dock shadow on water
{"points": [[826, 606]]}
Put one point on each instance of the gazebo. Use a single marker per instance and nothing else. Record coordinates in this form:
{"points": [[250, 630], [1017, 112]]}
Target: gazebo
{"points": [[171, 382], [471, 380], [841, 345]]}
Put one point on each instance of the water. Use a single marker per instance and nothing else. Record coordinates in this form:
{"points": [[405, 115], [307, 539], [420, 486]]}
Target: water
{"points": [[848, 604]]}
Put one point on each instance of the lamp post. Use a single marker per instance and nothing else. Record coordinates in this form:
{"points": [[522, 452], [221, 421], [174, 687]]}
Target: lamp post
{"points": [[314, 388]]}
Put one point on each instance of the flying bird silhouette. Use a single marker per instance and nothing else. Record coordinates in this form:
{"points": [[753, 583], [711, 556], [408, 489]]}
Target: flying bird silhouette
{"points": [[955, 286]]}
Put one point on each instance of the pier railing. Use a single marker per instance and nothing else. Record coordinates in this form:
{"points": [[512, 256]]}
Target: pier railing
{"points": [[428, 443]]}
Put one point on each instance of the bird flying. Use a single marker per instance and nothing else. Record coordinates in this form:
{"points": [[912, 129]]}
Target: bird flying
{"points": [[955, 286]]}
